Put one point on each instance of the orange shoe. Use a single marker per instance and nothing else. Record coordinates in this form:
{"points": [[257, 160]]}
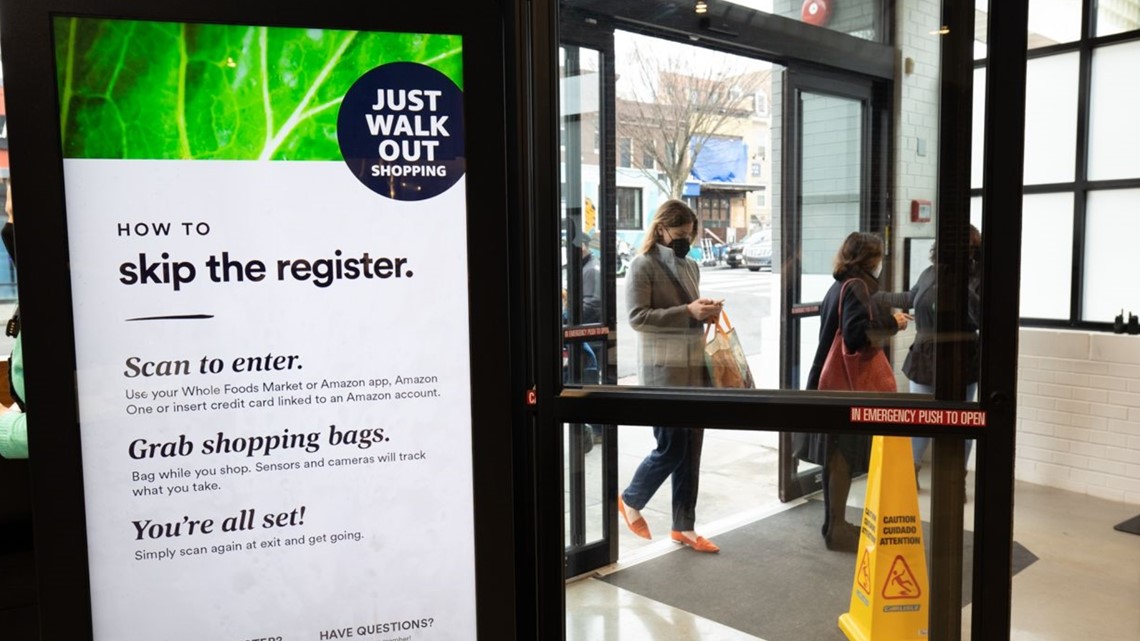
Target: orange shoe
{"points": [[700, 544], [638, 527]]}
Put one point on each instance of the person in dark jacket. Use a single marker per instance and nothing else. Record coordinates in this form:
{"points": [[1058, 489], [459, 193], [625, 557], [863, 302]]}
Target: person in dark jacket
{"points": [[865, 322], [919, 364], [591, 281]]}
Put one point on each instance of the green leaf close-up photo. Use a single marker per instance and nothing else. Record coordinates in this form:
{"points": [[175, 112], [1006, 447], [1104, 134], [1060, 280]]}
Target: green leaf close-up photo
{"points": [[172, 91]]}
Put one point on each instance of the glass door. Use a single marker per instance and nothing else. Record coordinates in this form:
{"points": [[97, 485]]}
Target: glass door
{"points": [[827, 195], [832, 155], [587, 271]]}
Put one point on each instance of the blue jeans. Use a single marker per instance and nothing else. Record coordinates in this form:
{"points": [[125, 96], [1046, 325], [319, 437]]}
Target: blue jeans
{"points": [[678, 454], [918, 444]]}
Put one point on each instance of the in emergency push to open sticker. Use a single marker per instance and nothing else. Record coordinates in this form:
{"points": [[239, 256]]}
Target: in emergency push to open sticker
{"points": [[400, 130]]}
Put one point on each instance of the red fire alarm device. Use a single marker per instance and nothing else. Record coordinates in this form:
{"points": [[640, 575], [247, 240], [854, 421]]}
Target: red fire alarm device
{"points": [[921, 211], [816, 12]]}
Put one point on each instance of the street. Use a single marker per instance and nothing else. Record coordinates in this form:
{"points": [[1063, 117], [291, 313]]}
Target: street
{"points": [[751, 302]]}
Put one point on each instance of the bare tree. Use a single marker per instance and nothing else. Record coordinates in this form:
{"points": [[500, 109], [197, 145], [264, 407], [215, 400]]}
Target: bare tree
{"points": [[674, 104]]}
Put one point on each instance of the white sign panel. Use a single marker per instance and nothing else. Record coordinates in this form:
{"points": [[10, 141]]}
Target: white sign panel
{"points": [[267, 232]]}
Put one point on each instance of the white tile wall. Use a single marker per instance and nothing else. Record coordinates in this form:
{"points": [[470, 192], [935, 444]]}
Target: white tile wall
{"points": [[1078, 424]]}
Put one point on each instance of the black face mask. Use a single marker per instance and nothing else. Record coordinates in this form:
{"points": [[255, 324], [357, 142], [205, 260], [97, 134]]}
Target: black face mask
{"points": [[680, 247], [9, 236]]}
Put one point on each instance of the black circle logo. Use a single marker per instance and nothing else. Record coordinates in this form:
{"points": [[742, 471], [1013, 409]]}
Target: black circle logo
{"points": [[400, 130]]}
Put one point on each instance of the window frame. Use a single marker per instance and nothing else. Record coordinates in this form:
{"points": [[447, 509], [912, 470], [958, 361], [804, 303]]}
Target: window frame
{"points": [[625, 153], [649, 155], [621, 223], [1081, 186]]}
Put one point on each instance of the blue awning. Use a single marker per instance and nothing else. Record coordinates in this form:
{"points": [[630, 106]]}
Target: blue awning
{"points": [[692, 188]]}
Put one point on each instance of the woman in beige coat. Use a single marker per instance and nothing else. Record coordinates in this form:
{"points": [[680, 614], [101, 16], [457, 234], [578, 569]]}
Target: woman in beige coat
{"points": [[665, 308]]}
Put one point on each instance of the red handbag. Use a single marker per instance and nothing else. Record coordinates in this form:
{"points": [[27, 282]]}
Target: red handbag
{"points": [[865, 370]]}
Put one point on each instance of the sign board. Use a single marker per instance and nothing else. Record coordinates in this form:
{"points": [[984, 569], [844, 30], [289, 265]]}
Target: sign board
{"points": [[918, 416], [267, 232], [580, 333]]}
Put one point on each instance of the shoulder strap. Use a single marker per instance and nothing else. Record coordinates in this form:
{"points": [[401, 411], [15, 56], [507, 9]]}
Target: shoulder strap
{"points": [[843, 290], [839, 303]]}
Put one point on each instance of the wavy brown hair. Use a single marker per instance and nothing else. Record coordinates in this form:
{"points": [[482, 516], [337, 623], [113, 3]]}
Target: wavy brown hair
{"points": [[859, 252], [671, 213]]}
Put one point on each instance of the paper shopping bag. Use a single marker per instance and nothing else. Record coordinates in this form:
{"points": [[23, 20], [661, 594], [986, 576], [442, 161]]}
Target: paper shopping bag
{"points": [[724, 356]]}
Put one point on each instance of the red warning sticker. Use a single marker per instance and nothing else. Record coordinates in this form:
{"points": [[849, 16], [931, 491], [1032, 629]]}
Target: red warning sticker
{"points": [[912, 416], [901, 583]]}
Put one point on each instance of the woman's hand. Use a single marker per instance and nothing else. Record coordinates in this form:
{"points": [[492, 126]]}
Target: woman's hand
{"points": [[705, 309], [902, 318]]}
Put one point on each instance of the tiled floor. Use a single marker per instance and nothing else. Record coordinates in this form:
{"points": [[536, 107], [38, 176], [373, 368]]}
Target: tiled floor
{"points": [[1085, 585]]}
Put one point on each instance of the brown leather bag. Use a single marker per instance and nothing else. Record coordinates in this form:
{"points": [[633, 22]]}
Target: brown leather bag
{"points": [[865, 370]]}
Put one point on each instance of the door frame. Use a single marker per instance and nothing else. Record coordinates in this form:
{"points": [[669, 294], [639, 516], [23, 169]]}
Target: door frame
{"points": [[554, 404], [874, 216], [583, 556]]}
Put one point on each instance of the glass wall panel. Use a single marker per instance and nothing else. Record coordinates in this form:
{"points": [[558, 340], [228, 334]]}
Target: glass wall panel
{"points": [[582, 483], [1051, 22], [1054, 22], [776, 577], [1051, 118], [1114, 135], [977, 136], [1112, 226], [1046, 255], [981, 28], [705, 127], [779, 165], [584, 298], [1117, 16], [1052, 123], [701, 124], [831, 185], [809, 340]]}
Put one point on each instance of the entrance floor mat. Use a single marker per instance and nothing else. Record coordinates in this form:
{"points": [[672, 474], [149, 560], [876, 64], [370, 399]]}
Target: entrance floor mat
{"points": [[773, 578]]}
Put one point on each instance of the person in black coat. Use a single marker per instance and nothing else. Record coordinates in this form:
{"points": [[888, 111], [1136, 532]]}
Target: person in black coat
{"points": [[865, 322]]}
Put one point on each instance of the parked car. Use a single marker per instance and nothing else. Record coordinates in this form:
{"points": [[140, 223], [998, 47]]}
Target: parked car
{"points": [[757, 250], [734, 253]]}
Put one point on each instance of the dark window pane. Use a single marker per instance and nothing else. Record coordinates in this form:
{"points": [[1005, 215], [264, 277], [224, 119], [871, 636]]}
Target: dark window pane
{"points": [[628, 208]]}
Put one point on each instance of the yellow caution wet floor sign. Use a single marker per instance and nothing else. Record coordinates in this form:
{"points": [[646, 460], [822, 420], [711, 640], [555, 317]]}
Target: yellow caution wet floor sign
{"points": [[889, 599]]}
